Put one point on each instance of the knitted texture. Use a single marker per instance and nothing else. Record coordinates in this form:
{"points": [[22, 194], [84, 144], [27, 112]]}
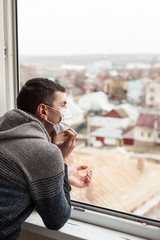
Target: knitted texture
{"points": [[32, 175]]}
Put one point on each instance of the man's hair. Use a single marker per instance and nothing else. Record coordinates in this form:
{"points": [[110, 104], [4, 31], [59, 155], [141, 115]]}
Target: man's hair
{"points": [[37, 91]]}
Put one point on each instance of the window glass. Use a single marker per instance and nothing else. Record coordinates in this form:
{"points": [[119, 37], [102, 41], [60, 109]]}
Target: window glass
{"points": [[106, 53]]}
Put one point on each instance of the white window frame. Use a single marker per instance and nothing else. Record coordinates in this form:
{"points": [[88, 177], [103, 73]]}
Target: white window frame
{"points": [[8, 55], [9, 86], [116, 220]]}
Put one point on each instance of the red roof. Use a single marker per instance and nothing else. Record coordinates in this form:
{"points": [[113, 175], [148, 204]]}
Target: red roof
{"points": [[147, 120], [117, 113], [113, 113], [129, 134]]}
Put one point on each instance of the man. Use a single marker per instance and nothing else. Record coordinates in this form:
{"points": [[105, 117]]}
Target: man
{"points": [[33, 167]]}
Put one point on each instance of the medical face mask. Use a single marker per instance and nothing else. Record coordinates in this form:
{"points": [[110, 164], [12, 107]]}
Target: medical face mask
{"points": [[65, 123]]}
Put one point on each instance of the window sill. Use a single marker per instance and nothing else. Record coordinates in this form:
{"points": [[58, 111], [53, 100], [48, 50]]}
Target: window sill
{"points": [[74, 229]]}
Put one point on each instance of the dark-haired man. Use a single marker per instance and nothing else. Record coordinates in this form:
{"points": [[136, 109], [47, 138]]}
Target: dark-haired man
{"points": [[33, 167]]}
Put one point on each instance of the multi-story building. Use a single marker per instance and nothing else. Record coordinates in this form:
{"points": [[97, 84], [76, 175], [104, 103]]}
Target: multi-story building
{"points": [[152, 91]]}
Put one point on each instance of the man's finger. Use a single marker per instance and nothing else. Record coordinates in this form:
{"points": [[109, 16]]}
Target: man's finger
{"points": [[71, 133], [71, 129], [89, 175], [81, 168]]}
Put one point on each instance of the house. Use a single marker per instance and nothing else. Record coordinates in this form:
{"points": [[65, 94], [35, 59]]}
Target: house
{"points": [[107, 136], [152, 91], [117, 113], [110, 85], [147, 129], [117, 118], [128, 137], [131, 111], [135, 91]]}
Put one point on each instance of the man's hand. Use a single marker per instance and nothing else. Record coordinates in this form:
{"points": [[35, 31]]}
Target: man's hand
{"points": [[78, 180], [68, 145]]}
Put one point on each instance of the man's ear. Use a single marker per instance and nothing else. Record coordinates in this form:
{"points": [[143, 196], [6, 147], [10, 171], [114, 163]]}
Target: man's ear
{"points": [[42, 112]]}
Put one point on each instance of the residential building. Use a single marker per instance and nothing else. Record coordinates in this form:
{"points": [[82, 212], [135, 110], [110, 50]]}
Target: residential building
{"points": [[128, 137], [110, 86], [117, 118], [147, 129], [135, 91], [152, 92], [131, 111], [107, 136]]}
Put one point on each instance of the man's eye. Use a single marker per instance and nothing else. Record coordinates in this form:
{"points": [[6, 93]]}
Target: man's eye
{"points": [[64, 104]]}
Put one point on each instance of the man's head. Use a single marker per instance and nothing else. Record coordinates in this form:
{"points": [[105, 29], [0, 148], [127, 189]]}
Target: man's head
{"points": [[37, 91], [38, 95]]}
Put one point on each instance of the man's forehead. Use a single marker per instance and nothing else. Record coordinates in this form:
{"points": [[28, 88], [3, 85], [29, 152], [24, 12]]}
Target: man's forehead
{"points": [[60, 97]]}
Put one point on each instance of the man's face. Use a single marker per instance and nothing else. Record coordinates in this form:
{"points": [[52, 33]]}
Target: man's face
{"points": [[59, 103]]}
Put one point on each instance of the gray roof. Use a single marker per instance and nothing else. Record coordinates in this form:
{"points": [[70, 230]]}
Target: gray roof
{"points": [[107, 133]]}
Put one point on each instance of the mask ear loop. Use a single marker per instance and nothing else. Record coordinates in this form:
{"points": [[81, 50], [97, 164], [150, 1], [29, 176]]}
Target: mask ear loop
{"points": [[51, 122], [58, 127], [52, 108]]}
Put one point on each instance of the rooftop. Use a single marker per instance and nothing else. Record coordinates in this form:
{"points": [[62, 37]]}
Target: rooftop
{"points": [[117, 181], [118, 112], [147, 120], [107, 132], [129, 134]]}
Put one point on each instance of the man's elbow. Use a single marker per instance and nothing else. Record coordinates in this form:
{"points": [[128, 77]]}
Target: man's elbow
{"points": [[58, 222], [54, 226]]}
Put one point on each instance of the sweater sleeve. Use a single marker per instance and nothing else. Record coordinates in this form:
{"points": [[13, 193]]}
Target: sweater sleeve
{"points": [[52, 194], [67, 187]]}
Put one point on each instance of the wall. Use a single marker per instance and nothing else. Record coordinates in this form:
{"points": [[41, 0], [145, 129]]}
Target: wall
{"points": [[26, 235], [138, 137]]}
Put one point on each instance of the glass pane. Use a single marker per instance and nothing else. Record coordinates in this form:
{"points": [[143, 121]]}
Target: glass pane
{"points": [[107, 55]]}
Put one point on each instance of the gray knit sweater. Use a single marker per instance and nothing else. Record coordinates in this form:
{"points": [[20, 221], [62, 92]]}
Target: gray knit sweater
{"points": [[32, 174]]}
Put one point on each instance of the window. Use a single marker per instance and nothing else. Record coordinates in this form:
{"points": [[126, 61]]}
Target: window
{"points": [[76, 44], [151, 99], [152, 89], [8, 56]]}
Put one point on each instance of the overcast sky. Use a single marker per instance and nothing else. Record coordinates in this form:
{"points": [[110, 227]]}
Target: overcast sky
{"points": [[67, 27]]}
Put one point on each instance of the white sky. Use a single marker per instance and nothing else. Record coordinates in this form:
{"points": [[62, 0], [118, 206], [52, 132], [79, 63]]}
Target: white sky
{"points": [[66, 27]]}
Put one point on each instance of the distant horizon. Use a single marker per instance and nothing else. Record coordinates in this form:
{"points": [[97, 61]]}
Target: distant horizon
{"points": [[87, 59]]}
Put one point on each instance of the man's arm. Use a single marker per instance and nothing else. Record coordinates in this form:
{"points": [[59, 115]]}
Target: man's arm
{"points": [[52, 193], [55, 210]]}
